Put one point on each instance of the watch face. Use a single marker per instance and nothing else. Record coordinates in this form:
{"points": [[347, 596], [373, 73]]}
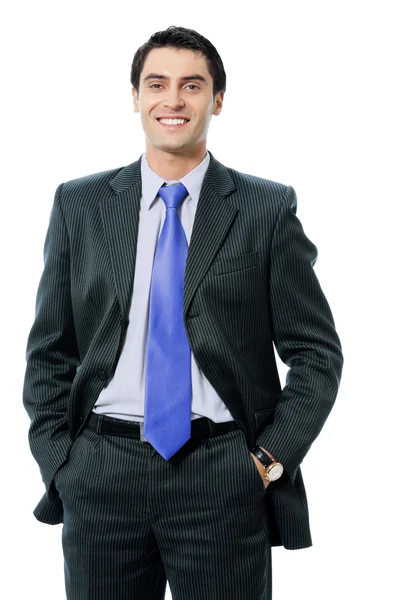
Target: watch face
{"points": [[275, 472]]}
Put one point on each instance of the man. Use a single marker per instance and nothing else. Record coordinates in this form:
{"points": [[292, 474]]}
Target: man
{"points": [[166, 445]]}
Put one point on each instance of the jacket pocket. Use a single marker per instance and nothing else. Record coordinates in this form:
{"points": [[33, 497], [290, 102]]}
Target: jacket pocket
{"points": [[235, 263]]}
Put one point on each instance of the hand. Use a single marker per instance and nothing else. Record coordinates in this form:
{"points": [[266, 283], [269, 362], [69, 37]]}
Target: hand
{"points": [[260, 470]]}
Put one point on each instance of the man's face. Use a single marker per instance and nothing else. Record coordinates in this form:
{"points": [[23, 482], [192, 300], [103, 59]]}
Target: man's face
{"points": [[172, 96]]}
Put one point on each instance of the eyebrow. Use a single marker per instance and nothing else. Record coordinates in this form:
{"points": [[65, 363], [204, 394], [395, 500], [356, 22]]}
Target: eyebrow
{"points": [[195, 77]]}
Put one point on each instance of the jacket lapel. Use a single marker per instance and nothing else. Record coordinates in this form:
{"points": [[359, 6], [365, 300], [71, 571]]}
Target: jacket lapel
{"points": [[120, 217]]}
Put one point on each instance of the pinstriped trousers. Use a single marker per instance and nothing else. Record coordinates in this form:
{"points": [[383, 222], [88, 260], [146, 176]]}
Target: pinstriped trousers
{"points": [[133, 521]]}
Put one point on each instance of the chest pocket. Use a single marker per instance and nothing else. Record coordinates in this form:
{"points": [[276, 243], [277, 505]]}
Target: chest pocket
{"points": [[235, 263]]}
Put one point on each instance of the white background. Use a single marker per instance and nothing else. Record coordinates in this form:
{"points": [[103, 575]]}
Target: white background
{"points": [[311, 102]]}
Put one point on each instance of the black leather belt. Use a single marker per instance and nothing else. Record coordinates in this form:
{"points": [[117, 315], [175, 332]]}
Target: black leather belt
{"points": [[201, 427]]}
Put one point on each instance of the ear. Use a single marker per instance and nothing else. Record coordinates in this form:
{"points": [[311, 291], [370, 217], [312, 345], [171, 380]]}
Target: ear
{"points": [[219, 98], [135, 96]]}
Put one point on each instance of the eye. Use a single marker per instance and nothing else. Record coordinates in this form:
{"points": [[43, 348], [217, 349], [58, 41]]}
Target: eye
{"points": [[190, 85]]}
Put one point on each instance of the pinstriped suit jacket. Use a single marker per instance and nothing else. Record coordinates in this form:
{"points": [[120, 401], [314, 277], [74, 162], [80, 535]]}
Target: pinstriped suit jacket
{"points": [[249, 284]]}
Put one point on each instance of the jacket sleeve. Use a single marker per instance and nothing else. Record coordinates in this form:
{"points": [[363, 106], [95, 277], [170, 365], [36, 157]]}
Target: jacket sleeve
{"points": [[52, 354], [305, 339]]}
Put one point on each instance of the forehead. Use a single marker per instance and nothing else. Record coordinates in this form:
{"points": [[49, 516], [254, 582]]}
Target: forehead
{"points": [[175, 62]]}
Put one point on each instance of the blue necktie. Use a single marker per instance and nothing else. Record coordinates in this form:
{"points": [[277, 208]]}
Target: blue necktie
{"points": [[168, 394]]}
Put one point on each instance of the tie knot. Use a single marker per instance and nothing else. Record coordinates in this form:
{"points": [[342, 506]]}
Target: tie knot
{"points": [[173, 194]]}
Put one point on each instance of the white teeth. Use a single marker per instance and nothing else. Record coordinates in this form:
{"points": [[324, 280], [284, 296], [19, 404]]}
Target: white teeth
{"points": [[173, 121]]}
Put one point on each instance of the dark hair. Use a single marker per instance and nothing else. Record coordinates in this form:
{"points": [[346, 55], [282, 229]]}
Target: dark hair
{"points": [[180, 37]]}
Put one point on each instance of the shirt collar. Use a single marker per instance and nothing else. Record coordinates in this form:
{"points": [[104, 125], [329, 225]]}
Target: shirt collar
{"points": [[151, 182]]}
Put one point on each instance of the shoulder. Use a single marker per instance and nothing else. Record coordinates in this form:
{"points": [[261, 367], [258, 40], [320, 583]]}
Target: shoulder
{"points": [[260, 189], [84, 193], [90, 182]]}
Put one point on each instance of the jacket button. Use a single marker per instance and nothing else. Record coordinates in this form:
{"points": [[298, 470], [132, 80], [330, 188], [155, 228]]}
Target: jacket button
{"points": [[102, 375]]}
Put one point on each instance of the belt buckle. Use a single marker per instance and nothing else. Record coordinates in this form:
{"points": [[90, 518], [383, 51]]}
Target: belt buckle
{"points": [[142, 438]]}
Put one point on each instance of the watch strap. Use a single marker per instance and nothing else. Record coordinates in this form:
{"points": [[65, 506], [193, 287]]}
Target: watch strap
{"points": [[262, 456]]}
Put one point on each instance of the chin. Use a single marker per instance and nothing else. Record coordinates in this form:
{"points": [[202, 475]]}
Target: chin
{"points": [[173, 147]]}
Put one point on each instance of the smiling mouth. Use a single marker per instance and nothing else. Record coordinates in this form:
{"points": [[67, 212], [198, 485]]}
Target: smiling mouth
{"points": [[178, 126]]}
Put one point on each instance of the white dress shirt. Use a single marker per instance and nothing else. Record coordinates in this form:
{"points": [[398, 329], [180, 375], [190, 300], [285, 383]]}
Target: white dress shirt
{"points": [[123, 398]]}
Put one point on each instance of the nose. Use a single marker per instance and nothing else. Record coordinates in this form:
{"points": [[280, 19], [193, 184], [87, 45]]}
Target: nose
{"points": [[173, 98]]}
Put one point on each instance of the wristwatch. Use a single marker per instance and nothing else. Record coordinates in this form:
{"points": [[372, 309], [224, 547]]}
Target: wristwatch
{"points": [[272, 468]]}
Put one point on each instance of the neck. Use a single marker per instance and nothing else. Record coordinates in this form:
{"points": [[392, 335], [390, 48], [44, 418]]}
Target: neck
{"points": [[174, 166]]}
